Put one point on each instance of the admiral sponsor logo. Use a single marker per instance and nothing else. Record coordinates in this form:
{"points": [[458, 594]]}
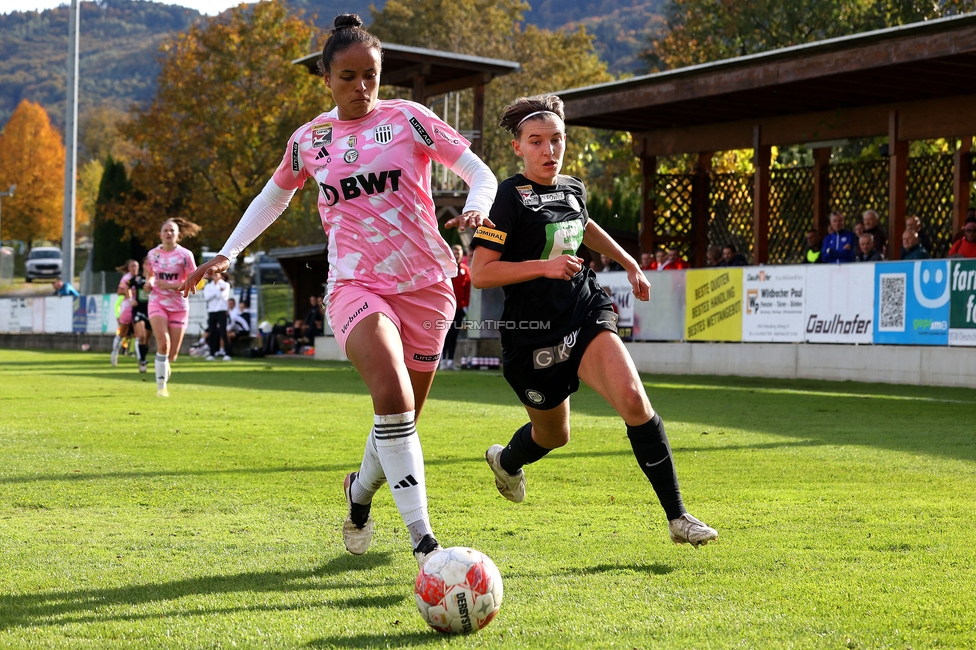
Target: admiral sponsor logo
{"points": [[419, 128], [837, 325], [529, 197], [354, 316], [354, 186], [446, 136], [550, 356], [426, 357], [383, 134], [496, 236], [321, 135], [552, 197], [351, 156], [295, 164]]}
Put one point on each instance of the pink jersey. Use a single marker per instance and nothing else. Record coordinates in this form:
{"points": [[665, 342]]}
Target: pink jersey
{"points": [[124, 284], [172, 266], [374, 193]]}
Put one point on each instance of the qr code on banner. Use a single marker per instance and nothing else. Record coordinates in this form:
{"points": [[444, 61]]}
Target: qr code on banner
{"points": [[891, 302]]}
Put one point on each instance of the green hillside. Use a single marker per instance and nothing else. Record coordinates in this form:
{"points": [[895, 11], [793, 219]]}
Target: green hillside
{"points": [[120, 39]]}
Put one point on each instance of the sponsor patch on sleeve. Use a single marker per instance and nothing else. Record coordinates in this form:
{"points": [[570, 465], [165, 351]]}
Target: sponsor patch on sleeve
{"points": [[421, 131], [489, 234]]}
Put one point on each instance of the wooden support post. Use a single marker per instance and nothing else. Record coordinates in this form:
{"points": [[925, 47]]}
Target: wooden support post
{"points": [[897, 186], [821, 191], [961, 175], [648, 166], [478, 121], [760, 198], [419, 93], [700, 208]]}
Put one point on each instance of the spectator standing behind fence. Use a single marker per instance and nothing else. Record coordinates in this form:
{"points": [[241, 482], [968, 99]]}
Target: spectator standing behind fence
{"points": [[217, 293], [647, 261], [713, 257], [660, 259], [838, 246], [609, 264], [866, 250], [872, 226], [911, 248], [731, 257], [462, 293], [62, 288], [314, 318], [237, 322], [811, 252], [673, 261], [914, 224], [966, 247]]}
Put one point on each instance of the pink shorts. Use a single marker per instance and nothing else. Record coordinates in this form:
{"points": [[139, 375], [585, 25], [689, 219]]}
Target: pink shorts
{"points": [[423, 318], [125, 315], [174, 318]]}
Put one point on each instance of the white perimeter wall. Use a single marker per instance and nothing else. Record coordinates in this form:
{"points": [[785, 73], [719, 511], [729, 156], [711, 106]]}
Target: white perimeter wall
{"points": [[926, 365]]}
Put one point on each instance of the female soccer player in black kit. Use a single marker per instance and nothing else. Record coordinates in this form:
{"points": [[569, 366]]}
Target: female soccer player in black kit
{"points": [[540, 222]]}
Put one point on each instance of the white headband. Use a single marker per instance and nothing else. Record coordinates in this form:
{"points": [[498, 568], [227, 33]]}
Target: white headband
{"points": [[517, 126]]}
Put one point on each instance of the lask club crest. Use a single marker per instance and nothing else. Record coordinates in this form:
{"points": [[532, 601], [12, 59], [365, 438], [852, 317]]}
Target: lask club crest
{"points": [[383, 134], [529, 197]]}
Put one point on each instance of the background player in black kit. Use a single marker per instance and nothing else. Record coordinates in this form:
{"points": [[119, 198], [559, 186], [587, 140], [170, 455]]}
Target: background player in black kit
{"points": [[540, 222], [140, 312]]}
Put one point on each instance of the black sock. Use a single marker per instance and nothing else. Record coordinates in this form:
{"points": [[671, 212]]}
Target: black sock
{"points": [[653, 453], [522, 450], [141, 351]]}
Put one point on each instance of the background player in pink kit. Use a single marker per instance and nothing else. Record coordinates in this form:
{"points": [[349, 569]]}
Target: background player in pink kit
{"points": [[131, 269], [389, 268], [169, 309]]}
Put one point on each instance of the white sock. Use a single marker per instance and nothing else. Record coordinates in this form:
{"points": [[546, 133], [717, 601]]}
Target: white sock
{"points": [[399, 451], [162, 370], [371, 477], [116, 342]]}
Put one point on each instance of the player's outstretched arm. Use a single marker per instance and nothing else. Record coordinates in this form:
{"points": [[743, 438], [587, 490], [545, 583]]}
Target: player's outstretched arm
{"points": [[597, 239], [218, 264], [471, 219]]}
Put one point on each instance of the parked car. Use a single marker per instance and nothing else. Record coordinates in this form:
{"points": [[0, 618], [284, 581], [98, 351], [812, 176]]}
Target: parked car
{"points": [[43, 262]]}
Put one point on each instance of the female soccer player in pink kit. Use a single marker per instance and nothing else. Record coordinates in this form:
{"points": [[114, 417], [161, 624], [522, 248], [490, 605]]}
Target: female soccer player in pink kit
{"points": [[169, 310], [125, 312], [389, 269]]}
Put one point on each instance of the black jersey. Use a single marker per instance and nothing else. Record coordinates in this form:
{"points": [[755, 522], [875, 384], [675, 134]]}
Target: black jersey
{"points": [[138, 282], [539, 222]]}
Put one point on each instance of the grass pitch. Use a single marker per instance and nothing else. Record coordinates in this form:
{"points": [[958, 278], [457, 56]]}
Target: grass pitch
{"points": [[212, 519]]}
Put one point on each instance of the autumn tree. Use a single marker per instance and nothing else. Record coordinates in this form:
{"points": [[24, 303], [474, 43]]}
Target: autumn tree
{"points": [[228, 99], [32, 157], [110, 246], [550, 61], [699, 31]]}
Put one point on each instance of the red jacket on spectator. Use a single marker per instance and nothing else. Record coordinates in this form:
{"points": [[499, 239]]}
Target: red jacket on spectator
{"points": [[462, 285], [963, 247]]}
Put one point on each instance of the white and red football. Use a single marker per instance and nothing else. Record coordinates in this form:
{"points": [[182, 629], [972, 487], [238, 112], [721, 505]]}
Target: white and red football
{"points": [[459, 590]]}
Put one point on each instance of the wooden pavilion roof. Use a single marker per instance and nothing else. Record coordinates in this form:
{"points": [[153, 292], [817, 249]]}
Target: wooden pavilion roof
{"points": [[922, 61]]}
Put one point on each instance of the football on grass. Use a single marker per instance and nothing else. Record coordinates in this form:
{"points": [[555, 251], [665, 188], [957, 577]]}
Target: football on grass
{"points": [[459, 590]]}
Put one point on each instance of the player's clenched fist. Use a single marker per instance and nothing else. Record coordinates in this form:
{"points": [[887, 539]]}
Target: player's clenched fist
{"points": [[563, 267]]}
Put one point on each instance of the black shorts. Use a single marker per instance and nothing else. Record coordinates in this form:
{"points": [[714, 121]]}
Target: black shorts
{"points": [[141, 317], [544, 376]]}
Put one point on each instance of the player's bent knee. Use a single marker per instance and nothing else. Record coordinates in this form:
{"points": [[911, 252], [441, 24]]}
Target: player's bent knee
{"points": [[633, 406]]}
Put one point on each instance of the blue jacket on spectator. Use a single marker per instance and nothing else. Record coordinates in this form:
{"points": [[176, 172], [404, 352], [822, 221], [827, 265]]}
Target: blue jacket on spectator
{"points": [[833, 251]]}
